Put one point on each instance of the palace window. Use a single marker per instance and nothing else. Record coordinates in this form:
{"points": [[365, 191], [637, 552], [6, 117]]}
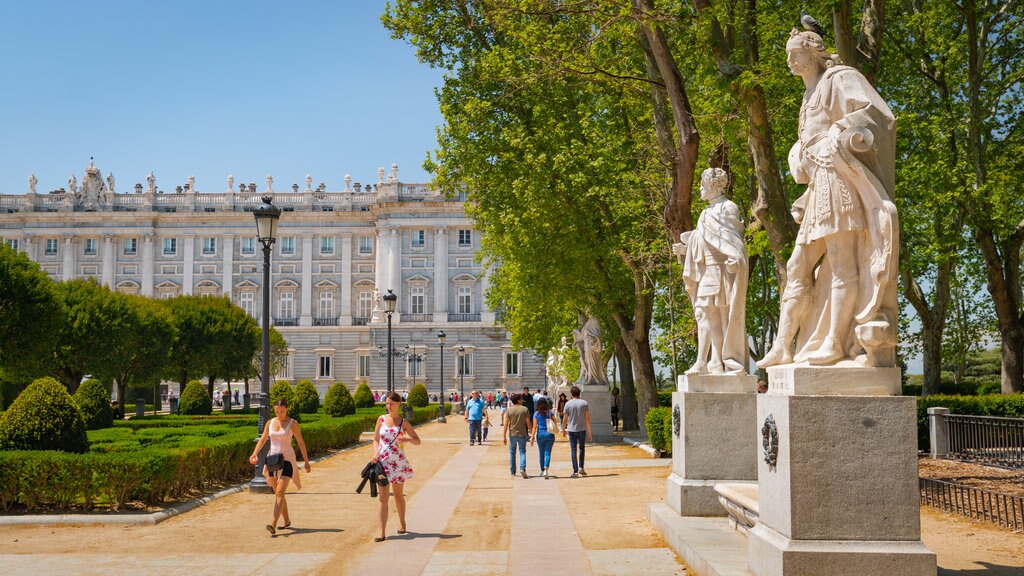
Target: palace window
{"points": [[465, 299], [247, 301], [366, 244], [131, 246], [364, 365], [464, 365], [170, 246], [419, 238], [417, 300], [465, 237], [51, 246], [512, 364], [324, 363], [326, 304], [286, 305], [209, 246], [248, 245], [12, 243], [364, 305], [288, 245], [327, 245], [90, 246], [414, 367]]}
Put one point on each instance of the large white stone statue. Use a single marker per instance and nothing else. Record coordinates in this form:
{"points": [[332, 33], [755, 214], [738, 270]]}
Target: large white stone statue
{"points": [[715, 269], [32, 182], [588, 340], [110, 182], [555, 367], [844, 308]]}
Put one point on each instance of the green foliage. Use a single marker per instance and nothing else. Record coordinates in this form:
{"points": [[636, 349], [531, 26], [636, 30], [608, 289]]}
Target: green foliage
{"points": [[418, 396], [1006, 405], [213, 337], [665, 399], [195, 400], [658, 434], [282, 390], [93, 399], [306, 398], [31, 316], [43, 417], [363, 397], [338, 401]]}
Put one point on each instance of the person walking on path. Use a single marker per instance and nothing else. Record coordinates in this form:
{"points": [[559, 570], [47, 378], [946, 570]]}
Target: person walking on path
{"points": [[490, 399], [560, 409], [517, 428], [280, 431], [475, 416], [576, 423], [528, 400], [540, 434], [615, 409], [485, 424], [391, 432]]}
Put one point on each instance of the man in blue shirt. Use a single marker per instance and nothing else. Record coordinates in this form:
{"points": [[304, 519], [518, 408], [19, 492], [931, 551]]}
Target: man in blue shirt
{"points": [[475, 416]]}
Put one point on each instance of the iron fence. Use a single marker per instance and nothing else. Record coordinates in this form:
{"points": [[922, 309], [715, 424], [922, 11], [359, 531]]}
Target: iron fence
{"points": [[987, 439], [1002, 509]]}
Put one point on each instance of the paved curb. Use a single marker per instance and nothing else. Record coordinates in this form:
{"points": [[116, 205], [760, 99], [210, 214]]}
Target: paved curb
{"points": [[654, 452], [152, 518]]}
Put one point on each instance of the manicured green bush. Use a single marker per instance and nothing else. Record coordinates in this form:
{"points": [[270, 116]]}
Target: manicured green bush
{"points": [[195, 400], [282, 390], [338, 401], [1007, 405], [665, 399], [668, 433], [43, 417], [306, 397], [657, 433], [363, 396], [93, 400], [418, 397]]}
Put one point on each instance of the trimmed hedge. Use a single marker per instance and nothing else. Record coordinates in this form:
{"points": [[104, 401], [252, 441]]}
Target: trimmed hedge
{"points": [[363, 396], [659, 428], [418, 397], [93, 399], [43, 417], [306, 398], [195, 400], [338, 401], [1007, 405], [665, 399]]}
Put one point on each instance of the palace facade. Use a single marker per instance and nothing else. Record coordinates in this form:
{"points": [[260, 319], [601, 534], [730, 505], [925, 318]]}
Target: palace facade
{"points": [[335, 254]]}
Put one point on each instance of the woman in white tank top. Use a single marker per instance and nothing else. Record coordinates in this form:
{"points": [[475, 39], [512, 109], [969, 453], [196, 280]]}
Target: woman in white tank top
{"points": [[280, 431]]}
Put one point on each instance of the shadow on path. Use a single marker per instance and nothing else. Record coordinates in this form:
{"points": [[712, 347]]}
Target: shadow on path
{"points": [[989, 569], [293, 531], [420, 535]]}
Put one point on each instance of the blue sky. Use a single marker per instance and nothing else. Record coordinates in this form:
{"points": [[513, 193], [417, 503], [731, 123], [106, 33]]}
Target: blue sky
{"points": [[209, 88]]}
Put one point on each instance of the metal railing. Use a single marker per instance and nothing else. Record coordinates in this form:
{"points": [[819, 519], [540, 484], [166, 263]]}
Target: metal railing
{"points": [[986, 439], [360, 320], [279, 321], [326, 321], [463, 317], [417, 317], [1002, 509]]}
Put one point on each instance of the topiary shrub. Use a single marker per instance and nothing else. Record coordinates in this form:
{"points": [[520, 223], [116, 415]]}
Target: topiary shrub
{"points": [[93, 399], [418, 397], [43, 417], [657, 432], [306, 397], [282, 390], [195, 401], [338, 401], [363, 397]]}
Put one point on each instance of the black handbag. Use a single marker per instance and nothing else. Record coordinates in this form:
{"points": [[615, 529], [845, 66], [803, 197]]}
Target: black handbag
{"points": [[274, 462]]}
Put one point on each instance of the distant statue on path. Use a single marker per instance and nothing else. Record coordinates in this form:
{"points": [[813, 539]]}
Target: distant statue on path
{"points": [[715, 270], [845, 308]]}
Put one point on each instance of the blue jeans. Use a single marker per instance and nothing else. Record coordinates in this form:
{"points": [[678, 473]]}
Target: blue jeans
{"points": [[578, 439], [545, 442], [516, 443], [474, 431]]}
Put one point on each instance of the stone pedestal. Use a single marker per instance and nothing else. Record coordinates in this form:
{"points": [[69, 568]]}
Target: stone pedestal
{"points": [[599, 402], [837, 477], [713, 424]]}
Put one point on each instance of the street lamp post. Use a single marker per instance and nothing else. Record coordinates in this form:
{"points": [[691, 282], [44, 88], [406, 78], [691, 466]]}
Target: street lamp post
{"points": [[390, 299], [267, 216], [414, 360], [462, 375], [440, 397]]}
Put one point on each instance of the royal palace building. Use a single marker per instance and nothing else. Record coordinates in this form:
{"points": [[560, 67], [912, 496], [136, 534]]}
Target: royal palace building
{"points": [[335, 254]]}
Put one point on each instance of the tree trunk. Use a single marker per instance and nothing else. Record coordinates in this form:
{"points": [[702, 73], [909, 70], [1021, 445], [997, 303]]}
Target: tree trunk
{"points": [[1003, 284], [120, 384], [157, 404], [209, 384], [627, 387], [932, 355], [182, 381]]}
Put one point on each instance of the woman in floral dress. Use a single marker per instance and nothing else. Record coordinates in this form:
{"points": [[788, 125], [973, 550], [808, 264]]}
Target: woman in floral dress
{"points": [[391, 432]]}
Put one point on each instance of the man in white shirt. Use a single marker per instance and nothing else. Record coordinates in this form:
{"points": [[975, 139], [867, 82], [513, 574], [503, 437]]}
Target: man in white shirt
{"points": [[576, 425]]}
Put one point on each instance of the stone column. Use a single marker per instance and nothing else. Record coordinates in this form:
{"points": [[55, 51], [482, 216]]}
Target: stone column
{"points": [[147, 264], [306, 317], [108, 260], [69, 246], [345, 293], [379, 268], [713, 421], [228, 271], [837, 475], [441, 274], [188, 269], [395, 276], [938, 431]]}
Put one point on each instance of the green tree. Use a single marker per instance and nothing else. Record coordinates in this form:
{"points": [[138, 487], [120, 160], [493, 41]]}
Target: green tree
{"points": [[43, 417], [363, 397], [195, 400], [30, 316], [278, 359], [338, 401], [139, 352], [282, 390], [306, 398], [93, 399], [418, 397]]}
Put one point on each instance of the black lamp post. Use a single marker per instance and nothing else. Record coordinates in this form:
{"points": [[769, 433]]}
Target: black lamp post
{"points": [[462, 375], [414, 359], [440, 383], [390, 300], [267, 216]]}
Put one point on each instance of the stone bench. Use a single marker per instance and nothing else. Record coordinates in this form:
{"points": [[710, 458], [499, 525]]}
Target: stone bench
{"points": [[740, 501]]}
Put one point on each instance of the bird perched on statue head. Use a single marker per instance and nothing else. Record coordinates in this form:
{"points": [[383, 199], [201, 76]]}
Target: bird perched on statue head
{"points": [[810, 24]]}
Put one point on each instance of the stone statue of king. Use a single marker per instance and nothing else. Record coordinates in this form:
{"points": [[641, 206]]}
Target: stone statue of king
{"points": [[839, 302], [714, 260]]}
